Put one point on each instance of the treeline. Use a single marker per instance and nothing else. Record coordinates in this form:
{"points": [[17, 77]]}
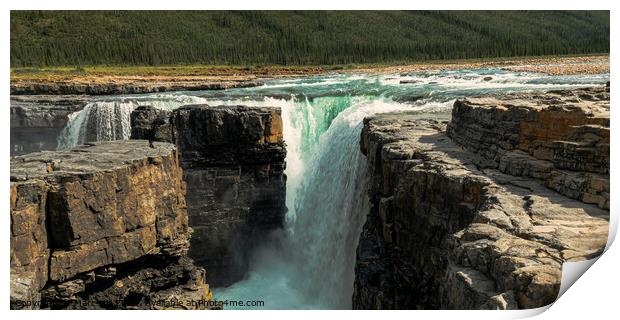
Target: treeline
{"points": [[74, 38]]}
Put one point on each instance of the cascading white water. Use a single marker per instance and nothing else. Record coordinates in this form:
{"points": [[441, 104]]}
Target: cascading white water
{"points": [[98, 121], [330, 210], [111, 120], [74, 132], [313, 266]]}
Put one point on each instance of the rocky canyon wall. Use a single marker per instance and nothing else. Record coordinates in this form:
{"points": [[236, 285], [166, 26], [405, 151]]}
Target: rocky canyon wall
{"points": [[102, 226], [233, 161], [481, 212]]}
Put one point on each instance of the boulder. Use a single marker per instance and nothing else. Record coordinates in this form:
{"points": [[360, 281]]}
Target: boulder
{"points": [[151, 123]]}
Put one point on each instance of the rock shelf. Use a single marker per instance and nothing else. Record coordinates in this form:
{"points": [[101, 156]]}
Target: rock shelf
{"points": [[481, 212]]}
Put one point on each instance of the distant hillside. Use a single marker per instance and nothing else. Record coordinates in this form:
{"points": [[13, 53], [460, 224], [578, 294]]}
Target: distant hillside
{"points": [[51, 38]]}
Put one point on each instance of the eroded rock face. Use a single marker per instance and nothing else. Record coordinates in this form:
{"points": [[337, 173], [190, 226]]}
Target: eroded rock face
{"points": [[560, 137], [151, 123], [36, 121], [30, 251], [233, 161], [77, 215], [448, 229]]}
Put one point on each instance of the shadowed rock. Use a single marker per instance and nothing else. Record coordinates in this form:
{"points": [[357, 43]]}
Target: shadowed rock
{"points": [[233, 162]]}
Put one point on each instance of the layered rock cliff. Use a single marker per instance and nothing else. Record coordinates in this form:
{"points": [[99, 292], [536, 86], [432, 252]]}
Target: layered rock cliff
{"points": [[102, 226], [233, 162], [125, 85], [482, 215], [559, 137]]}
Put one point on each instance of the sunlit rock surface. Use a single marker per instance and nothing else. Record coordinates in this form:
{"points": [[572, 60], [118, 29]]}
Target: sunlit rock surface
{"points": [[484, 216], [560, 137], [99, 217]]}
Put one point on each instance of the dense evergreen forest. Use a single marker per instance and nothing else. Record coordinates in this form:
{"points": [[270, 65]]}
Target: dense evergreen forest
{"points": [[74, 38]]}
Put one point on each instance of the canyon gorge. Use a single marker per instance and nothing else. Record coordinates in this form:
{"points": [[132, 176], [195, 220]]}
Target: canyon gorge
{"points": [[457, 189]]}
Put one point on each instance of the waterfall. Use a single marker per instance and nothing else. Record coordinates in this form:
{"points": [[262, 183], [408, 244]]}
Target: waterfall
{"points": [[331, 209], [111, 120], [309, 264], [313, 265], [98, 121], [329, 212]]}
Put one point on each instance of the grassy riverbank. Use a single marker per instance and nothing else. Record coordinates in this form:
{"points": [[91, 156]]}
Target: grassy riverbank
{"points": [[549, 64]]}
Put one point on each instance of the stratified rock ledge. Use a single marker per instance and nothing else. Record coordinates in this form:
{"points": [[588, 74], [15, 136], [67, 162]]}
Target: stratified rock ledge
{"points": [[127, 86], [559, 137], [483, 216], [101, 226]]}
